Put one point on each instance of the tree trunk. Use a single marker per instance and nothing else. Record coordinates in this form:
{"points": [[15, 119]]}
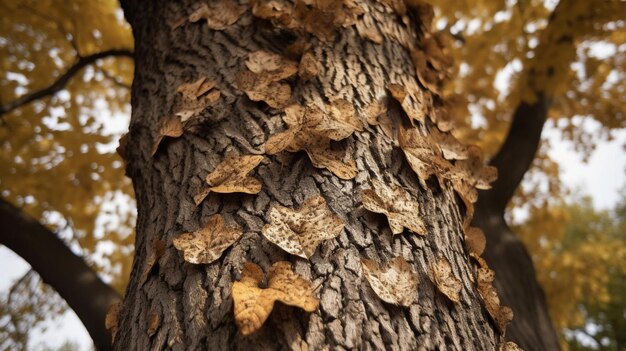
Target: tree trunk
{"points": [[171, 303]]}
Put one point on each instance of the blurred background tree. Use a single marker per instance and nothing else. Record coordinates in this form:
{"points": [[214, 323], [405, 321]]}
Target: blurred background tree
{"points": [[64, 102]]}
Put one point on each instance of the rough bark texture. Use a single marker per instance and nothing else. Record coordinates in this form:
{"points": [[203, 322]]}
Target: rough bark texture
{"points": [[193, 303]]}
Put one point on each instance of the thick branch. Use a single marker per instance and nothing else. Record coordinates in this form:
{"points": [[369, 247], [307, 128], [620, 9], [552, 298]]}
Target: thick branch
{"points": [[67, 273], [517, 153], [62, 80]]}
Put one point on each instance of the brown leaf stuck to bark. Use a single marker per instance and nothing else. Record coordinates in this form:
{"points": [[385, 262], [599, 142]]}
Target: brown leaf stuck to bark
{"points": [[395, 284], [158, 249], [444, 279], [121, 149], [501, 315], [209, 242], [308, 66], [401, 94], [261, 79], [311, 129], [195, 97], [299, 232], [170, 127], [111, 319], [231, 176], [154, 320], [401, 209], [253, 305], [218, 14], [509, 346], [450, 146], [475, 240]]}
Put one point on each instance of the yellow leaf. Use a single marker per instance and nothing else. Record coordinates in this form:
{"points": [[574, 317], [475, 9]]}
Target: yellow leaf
{"points": [[208, 243], [444, 279], [395, 284], [299, 232], [401, 209], [253, 305]]}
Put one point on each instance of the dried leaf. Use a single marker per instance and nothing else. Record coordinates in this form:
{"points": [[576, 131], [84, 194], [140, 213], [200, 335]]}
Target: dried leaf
{"points": [[444, 279], [308, 66], [218, 14], [312, 129], [196, 97], [158, 249], [451, 147], [509, 346], [121, 149], [423, 155], [111, 319], [299, 232], [231, 176], [401, 209], [208, 243], [475, 240], [154, 320], [395, 284], [253, 305], [170, 127], [261, 81], [501, 315], [427, 76], [401, 94]]}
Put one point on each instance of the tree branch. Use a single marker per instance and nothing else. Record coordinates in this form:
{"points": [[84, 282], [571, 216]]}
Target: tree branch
{"points": [[67, 273], [62, 80]]}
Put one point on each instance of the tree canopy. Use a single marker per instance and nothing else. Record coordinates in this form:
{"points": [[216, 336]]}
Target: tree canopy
{"points": [[64, 103]]}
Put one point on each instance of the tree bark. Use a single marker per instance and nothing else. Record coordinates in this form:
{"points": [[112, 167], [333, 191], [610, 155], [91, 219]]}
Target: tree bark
{"points": [[60, 268], [192, 304]]}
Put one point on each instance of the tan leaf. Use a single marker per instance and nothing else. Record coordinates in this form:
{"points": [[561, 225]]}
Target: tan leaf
{"points": [[170, 127], [219, 14], [367, 30], [395, 284], [111, 319], [253, 305], [445, 280], [196, 97], [231, 176], [401, 94], [312, 129], [423, 155], [427, 76], [261, 79], [299, 232], [451, 147], [308, 66], [154, 320], [401, 209], [207, 244], [501, 315], [475, 240], [509, 346]]}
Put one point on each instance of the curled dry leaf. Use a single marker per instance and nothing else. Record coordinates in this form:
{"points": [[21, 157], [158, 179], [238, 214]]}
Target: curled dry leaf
{"points": [[158, 249], [308, 66], [509, 346], [111, 319], [195, 97], [218, 14], [501, 315], [170, 127], [475, 240], [253, 305], [430, 78], [311, 129], [444, 279], [320, 17], [231, 176], [299, 232], [450, 146], [261, 79], [208, 243], [395, 284], [401, 209], [404, 97]]}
